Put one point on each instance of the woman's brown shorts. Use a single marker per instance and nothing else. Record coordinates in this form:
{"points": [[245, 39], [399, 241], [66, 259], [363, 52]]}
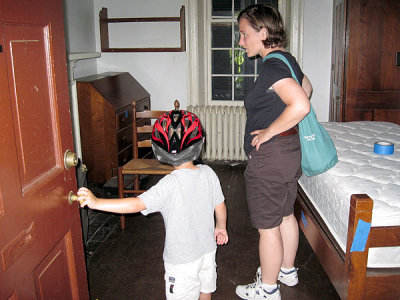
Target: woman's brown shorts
{"points": [[271, 179]]}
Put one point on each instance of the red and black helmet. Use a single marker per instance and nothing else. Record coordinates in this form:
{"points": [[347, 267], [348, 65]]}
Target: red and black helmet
{"points": [[177, 137]]}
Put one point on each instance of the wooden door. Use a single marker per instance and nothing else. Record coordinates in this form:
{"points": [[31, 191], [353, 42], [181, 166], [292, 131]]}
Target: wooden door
{"points": [[338, 49], [372, 78], [41, 248]]}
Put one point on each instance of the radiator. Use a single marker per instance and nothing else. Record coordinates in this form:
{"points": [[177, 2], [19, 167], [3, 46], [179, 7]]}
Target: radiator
{"points": [[224, 130]]}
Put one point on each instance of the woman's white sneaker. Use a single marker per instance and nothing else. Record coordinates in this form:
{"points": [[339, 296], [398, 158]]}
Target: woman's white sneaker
{"points": [[288, 278], [257, 291]]}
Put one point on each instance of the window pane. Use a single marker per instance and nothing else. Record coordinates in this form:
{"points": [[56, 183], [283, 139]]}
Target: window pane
{"points": [[242, 86], [222, 8], [221, 35], [237, 35], [221, 88], [232, 72], [221, 62], [243, 65], [273, 3], [241, 4]]}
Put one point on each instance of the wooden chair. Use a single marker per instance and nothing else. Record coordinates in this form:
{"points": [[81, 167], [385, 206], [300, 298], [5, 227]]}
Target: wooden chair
{"points": [[141, 130]]}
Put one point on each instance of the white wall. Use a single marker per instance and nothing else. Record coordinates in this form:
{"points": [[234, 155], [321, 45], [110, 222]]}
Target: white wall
{"points": [[162, 74], [165, 75], [317, 45], [79, 33]]}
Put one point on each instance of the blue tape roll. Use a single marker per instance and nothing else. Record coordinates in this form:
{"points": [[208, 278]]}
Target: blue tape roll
{"points": [[384, 148]]}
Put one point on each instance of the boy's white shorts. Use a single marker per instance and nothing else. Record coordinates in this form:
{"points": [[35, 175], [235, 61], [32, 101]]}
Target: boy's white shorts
{"points": [[186, 281]]}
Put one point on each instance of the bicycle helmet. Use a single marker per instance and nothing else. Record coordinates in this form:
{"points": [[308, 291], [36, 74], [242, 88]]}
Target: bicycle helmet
{"points": [[177, 137]]}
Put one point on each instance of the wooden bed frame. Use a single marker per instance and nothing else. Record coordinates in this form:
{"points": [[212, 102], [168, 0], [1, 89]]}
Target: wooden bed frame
{"points": [[348, 271]]}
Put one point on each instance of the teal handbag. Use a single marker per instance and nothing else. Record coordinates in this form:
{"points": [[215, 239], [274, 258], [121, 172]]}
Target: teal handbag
{"points": [[318, 153]]}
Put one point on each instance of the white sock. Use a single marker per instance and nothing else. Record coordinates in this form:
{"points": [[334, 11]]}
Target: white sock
{"points": [[287, 270], [269, 287]]}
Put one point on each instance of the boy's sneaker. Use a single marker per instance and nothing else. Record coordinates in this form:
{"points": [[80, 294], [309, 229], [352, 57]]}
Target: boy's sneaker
{"points": [[256, 291], [290, 278]]}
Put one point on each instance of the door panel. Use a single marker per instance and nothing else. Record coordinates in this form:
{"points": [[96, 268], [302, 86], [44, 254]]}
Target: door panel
{"points": [[34, 124], [52, 274], [41, 247], [338, 44]]}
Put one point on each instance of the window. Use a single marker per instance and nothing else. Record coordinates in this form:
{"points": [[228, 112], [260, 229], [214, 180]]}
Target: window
{"points": [[220, 73], [232, 72]]}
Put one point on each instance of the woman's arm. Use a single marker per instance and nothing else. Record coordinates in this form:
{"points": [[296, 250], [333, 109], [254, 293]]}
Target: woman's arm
{"points": [[307, 87], [297, 107], [124, 205]]}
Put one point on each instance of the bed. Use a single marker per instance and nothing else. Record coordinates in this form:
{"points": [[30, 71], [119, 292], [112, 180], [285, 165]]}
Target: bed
{"points": [[351, 214]]}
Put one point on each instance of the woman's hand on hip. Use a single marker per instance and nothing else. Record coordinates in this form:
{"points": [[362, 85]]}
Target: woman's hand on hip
{"points": [[260, 136]]}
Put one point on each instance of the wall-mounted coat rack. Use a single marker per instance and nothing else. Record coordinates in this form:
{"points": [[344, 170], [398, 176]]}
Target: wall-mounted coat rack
{"points": [[104, 36]]}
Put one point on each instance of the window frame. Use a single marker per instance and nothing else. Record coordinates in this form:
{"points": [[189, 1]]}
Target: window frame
{"points": [[199, 47]]}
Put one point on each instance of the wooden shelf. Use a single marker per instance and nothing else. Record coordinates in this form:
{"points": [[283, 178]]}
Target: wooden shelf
{"points": [[104, 35]]}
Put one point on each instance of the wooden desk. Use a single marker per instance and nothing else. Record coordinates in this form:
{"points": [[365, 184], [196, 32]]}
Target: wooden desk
{"points": [[105, 119]]}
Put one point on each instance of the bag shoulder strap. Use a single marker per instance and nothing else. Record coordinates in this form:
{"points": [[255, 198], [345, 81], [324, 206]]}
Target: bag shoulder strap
{"points": [[284, 59]]}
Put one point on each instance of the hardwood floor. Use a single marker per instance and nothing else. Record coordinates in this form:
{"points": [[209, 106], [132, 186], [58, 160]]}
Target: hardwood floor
{"points": [[127, 264]]}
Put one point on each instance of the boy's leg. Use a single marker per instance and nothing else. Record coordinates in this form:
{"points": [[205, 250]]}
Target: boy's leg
{"points": [[181, 282], [205, 296], [208, 275], [186, 281]]}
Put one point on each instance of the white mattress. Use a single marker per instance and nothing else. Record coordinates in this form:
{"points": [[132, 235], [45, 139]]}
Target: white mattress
{"points": [[360, 171]]}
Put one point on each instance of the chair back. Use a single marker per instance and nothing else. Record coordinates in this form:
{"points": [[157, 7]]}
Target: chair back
{"points": [[142, 127]]}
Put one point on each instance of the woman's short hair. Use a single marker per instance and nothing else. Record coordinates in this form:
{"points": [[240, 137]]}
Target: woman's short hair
{"points": [[264, 16]]}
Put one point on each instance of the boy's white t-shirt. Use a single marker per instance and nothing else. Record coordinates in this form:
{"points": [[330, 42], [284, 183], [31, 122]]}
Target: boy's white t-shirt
{"points": [[186, 199]]}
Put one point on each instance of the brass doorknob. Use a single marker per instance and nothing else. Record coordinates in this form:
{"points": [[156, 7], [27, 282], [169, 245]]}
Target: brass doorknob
{"points": [[72, 197], [70, 159]]}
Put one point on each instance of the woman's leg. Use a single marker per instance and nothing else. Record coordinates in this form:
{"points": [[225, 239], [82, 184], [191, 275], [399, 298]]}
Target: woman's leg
{"points": [[271, 254], [278, 247], [289, 230]]}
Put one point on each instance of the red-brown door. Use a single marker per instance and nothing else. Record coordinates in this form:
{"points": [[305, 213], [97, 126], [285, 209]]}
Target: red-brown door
{"points": [[41, 248]]}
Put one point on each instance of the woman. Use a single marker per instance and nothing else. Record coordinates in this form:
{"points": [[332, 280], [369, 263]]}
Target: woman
{"points": [[275, 105]]}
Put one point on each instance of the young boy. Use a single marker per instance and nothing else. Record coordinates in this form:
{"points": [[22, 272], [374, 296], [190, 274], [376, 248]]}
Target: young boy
{"points": [[187, 199]]}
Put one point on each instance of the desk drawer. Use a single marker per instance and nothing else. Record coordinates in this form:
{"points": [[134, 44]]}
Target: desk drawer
{"points": [[143, 104], [124, 138], [124, 118], [125, 156]]}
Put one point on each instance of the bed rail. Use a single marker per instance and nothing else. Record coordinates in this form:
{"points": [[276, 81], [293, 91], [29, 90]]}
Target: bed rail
{"points": [[348, 271]]}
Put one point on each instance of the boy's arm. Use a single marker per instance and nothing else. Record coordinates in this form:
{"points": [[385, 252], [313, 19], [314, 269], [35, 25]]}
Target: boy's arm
{"points": [[221, 235], [124, 205]]}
